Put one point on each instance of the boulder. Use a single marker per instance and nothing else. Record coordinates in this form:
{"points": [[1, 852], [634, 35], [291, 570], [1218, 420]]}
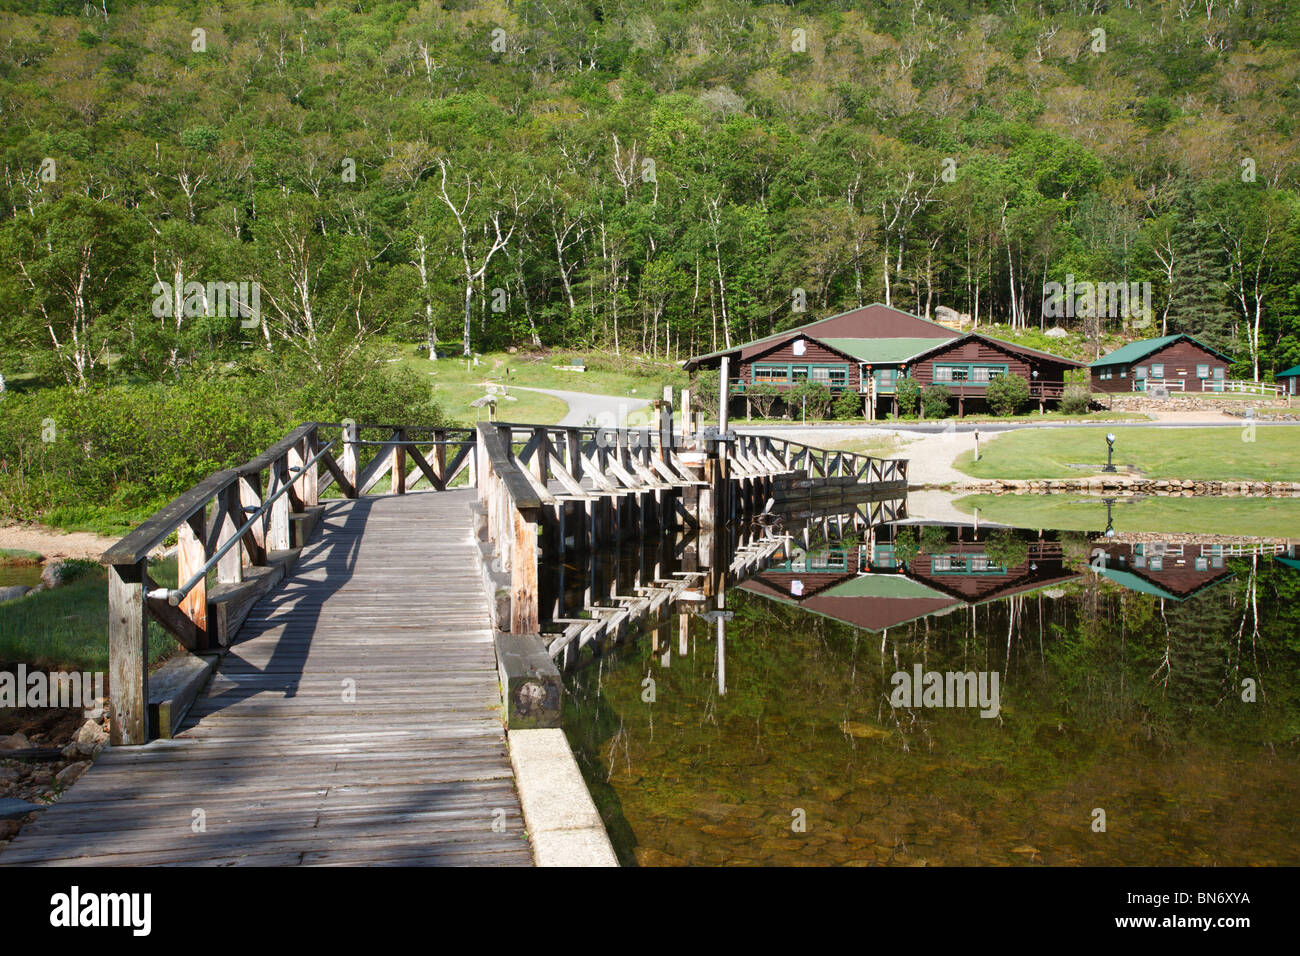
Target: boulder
{"points": [[17, 741], [90, 738], [13, 592], [69, 774]]}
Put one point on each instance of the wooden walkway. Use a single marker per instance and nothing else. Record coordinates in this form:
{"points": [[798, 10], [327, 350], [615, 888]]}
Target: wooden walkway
{"points": [[280, 767]]}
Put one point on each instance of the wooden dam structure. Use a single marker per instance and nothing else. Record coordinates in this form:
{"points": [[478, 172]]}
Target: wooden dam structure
{"points": [[362, 609]]}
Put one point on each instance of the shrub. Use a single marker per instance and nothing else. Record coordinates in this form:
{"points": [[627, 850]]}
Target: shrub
{"points": [[906, 545], [763, 398], [1004, 548], [908, 392], [848, 404], [1076, 400], [936, 400], [1006, 394], [934, 539], [811, 398], [704, 387]]}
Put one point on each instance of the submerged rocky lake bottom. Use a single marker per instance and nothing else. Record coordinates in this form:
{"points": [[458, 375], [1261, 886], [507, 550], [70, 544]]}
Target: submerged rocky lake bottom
{"points": [[950, 693]]}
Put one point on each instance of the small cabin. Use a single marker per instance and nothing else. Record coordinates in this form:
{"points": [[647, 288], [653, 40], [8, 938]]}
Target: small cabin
{"points": [[1289, 380], [1177, 362]]}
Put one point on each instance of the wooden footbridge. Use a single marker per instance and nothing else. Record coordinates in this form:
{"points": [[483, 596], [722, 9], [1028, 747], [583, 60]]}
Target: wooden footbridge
{"points": [[340, 604]]}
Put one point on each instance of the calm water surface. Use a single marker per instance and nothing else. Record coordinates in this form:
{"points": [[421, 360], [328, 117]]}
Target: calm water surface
{"points": [[1122, 664]]}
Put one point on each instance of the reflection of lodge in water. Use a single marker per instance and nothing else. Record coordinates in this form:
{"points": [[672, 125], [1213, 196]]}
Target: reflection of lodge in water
{"points": [[875, 575], [870, 587]]}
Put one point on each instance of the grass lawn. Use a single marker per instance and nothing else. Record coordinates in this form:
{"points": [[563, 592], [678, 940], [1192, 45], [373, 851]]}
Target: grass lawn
{"points": [[67, 628], [1209, 454], [455, 386], [882, 446], [1258, 517]]}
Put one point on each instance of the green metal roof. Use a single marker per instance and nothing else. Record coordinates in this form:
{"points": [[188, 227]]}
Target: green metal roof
{"points": [[775, 336], [1134, 583], [1136, 351], [1294, 370], [882, 586], [879, 350]]}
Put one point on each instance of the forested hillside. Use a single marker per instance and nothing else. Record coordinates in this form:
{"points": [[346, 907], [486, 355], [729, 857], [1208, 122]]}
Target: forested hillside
{"points": [[657, 177]]}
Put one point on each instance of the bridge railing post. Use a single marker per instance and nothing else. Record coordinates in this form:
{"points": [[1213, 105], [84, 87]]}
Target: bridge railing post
{"points": [[128, 653], [277, 531], [191, 555], [398, 472], [228, 518], [350, 450]]}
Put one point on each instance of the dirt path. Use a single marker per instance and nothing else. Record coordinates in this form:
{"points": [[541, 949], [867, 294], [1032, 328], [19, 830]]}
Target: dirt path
{"points": [[930, 456], [53, 543], [607, 411]]}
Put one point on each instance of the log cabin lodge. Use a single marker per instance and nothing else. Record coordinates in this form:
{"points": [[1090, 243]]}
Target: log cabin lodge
{"points": [[867, 350], [1177, 361]]}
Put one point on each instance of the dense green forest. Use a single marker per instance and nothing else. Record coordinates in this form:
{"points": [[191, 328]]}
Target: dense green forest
{"points": [[657, 177]]}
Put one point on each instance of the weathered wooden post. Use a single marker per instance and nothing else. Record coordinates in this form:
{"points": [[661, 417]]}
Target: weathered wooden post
{"points": [[250, 499], [350, 454], [399, 463], [524, 614], [128, 653], [190, 558], [439, 460], [277, 531], [309, 482], [666, 423], [230, 568]]}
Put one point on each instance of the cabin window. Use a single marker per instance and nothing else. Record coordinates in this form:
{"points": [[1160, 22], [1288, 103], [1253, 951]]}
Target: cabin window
{"points": [[836, 376], [1123, 372], [1203, 371], [1218, 372], [1157, 371], [1105, 374], [978, 372], [771, 373], [964, 564]]}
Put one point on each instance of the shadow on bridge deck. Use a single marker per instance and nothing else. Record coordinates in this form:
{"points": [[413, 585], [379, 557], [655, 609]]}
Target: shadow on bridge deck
{"points": [[356, 721]]}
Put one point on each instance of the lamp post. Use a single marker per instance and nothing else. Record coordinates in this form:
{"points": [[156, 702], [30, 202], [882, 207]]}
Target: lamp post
{"points": [[1110, 521], [1110, 452]]}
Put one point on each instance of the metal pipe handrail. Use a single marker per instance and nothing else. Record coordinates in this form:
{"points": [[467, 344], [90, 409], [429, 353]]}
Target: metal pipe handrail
{"points": [[176, 595]]}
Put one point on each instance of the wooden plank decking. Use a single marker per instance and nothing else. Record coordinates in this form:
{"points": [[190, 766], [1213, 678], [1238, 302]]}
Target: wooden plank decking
{"points": [[283, 768]]}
